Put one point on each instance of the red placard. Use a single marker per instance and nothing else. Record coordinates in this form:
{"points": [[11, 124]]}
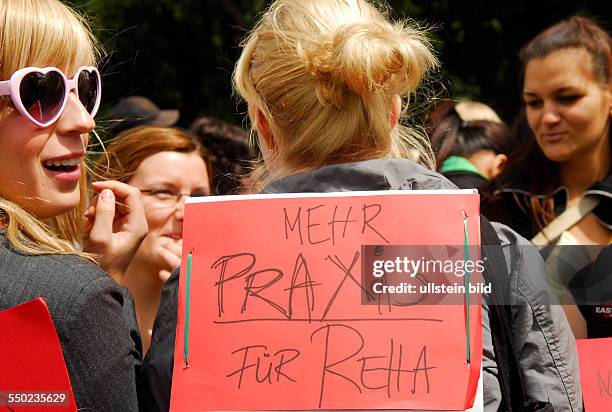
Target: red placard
{"points": [[34, 375], [596, 373], [275, 319]]}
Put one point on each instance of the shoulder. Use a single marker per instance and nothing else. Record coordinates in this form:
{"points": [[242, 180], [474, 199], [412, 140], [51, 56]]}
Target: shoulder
{"points": [[526, 268], [63, 280], [603, 190], [378, 174], [405, 174], [508, 236], [466, 179]]}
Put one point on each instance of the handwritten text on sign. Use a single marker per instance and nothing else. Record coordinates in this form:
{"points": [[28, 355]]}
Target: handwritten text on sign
{"points": [[276, 319]]}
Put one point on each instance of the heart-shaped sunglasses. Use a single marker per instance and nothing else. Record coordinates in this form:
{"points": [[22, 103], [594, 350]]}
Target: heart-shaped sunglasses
{"points": [[40, 95]]}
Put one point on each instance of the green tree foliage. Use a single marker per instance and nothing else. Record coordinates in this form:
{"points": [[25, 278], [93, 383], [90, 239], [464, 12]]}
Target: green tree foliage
{"points": [[478, 41], [181, 53]]}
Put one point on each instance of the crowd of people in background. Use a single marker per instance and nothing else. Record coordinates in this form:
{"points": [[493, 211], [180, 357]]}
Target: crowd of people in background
{"points": [[327, 84]]}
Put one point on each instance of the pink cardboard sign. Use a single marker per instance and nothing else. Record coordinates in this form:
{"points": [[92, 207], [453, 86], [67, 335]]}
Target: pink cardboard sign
{"points": [[272, 313], [34, 375], [596, 373]]}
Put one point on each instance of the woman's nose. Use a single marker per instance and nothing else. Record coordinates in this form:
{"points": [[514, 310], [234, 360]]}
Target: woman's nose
{"points": [[179, 209], [550, 114], [75, 118]]}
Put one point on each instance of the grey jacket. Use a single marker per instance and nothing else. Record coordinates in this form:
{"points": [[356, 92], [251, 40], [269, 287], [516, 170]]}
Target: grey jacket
{"points": [[86, 308], [543, 341]]}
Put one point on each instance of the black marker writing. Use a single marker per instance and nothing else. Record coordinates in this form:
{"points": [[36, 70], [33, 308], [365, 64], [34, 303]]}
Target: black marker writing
{"points": [[263, 364]]}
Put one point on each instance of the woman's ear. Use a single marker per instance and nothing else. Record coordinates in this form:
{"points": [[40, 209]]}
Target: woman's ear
{"points": [[263, 127], [267, 143], [498, 165], [395, 111], [264, 132]]}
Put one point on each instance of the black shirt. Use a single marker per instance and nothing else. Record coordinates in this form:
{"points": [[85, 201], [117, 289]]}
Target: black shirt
{"points": [[592, 291]]}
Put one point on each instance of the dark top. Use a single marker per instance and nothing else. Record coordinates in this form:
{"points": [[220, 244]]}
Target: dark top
{"points": [[592, 291], [508, 211], [586, 281], [465, 179], [86, 308], [595, 277], [156, 374], [462, 173]]}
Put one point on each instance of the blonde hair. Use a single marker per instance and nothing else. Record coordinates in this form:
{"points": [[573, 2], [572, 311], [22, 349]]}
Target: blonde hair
{"points": [[470, 111], [324, 74], [43, 33]]}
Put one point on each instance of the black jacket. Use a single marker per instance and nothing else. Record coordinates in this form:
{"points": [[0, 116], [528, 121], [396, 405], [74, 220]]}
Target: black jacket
{"points": [[155, 380], [592, 290], [466, 179]]}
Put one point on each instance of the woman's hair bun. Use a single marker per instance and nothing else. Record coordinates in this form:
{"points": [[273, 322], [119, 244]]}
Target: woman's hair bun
{"points": [[326, 75], [364, 58]]}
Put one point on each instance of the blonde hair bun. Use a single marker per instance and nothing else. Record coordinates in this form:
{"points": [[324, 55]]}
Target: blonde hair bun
{"points": [[364, 58], [325, 73]]}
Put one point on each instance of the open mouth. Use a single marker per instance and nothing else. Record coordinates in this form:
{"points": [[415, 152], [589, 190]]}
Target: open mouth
{"points": [[64, 165]]}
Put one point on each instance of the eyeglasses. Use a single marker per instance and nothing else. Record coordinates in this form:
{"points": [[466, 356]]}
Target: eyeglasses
{"points": [[40, 95], [169, 198]]}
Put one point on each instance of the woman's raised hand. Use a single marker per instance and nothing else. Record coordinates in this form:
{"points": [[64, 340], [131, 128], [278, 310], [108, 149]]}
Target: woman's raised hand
{"points": [[116, 226], [170, 255]]}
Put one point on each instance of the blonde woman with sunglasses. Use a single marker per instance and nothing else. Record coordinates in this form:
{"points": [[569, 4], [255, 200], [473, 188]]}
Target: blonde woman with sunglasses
{"points": [[50, 92]]}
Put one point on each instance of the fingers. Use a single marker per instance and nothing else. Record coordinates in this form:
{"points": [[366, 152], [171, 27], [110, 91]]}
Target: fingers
{"points": [[123, 189], [176, 247], [129, 205], [103, 216], [118, 225], [164, 275], [170, 255], [91, 211], [126, 195]]}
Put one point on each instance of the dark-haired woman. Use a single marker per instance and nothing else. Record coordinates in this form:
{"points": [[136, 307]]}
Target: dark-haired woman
{"points": [[565, 165]]}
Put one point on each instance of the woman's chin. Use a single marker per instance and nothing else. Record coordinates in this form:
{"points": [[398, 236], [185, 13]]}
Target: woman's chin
{"points": [[49, 207], [558, 156]]}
